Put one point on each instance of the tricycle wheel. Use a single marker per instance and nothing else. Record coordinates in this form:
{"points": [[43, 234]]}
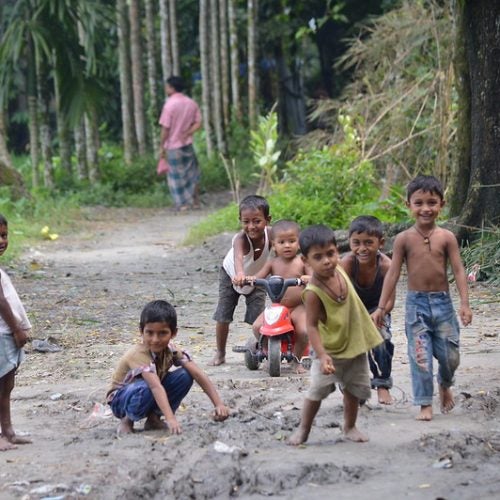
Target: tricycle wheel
{"points": [[251, 360], [274, 356]]}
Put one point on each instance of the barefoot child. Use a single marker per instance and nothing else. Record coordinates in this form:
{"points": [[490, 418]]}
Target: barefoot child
{"points": [[340, 330], [288, 264], [248, 254], [431, 325], [143, 384], [367, 266], [14, 333]]}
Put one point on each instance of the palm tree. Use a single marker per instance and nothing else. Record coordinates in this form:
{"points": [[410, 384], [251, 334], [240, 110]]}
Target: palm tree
{"points": [[252, 56]]}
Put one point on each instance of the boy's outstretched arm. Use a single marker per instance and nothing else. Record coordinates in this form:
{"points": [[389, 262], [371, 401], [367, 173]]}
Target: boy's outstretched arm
{"points": [[221, 410], [161, 399], [20, 335], [386, 301], [457, 267], [314, 311], [240, 248]]}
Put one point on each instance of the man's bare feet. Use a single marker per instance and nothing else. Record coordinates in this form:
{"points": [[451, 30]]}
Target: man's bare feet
{"points": [[126, 426], [446, 399], [384, 396], [6, 445], [219, 359], [298, 437], [353, 434], [155, 423], [425, 414]]}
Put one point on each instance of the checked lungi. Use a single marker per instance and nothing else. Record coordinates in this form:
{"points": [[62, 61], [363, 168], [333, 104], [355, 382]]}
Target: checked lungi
{"points": [[183, 174]]}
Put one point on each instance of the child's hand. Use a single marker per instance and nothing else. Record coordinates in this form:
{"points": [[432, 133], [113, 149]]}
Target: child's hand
{"points": [[305, 279], [327, 366], [378, 317], [221, 412], [174, 426], [20, 337], [239, 279], [465, 315]]}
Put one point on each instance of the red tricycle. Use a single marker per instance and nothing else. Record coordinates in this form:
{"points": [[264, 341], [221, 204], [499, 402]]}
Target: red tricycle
{"points": [[277, 333]]}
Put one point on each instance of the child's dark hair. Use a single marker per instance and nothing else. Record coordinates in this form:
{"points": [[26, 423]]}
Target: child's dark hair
{"points": [[319, 235], [427, 183], [3, 221], [284, 225], [255, 202], [176, 82], [367, 224], [159, 311]]}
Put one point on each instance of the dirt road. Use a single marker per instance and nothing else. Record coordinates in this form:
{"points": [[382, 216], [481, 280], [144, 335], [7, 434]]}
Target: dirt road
{"points": [[85, 291]]}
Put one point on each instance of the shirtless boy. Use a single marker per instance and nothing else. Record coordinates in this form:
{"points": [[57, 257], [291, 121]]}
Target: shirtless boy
{"points": [[431, 325]]}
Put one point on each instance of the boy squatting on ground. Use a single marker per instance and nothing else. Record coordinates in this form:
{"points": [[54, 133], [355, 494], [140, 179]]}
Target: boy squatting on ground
{"points": [[143, 386], [287, 263], [430, 323], [14, 333], [249, 252], [340, 331], [367, 266]]}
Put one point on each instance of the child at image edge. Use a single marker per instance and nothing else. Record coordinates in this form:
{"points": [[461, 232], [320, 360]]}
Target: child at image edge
{"points": [[431, 325], [249, 252], [340, 331], [14, 333], [143, 384], [287, 263], [367, 266]]}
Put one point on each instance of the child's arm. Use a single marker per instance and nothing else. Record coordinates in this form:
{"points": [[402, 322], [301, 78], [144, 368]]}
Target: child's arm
{"points": [[221, 411], [263, 273], [391, 278], [19, 334], [161, 399], [464, 311], [386, 264], [240, 248], [314, 308]]}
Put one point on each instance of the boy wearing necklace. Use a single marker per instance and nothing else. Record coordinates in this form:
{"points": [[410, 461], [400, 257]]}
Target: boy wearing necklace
{"points": [[340, 331], [367, 267], [431, 325]]}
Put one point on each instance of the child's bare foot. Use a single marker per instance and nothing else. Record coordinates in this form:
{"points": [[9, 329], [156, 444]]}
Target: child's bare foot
{"points": [[425, 414], [155, 423], [384, 396], [353, 434], [297, 367], [13, 438], [298, 437], [446, 399], [219, 359], [6, 445], [126, 426]]}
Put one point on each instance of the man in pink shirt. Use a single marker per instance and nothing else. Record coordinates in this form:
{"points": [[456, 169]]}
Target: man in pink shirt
{"points": [[179, 119]]}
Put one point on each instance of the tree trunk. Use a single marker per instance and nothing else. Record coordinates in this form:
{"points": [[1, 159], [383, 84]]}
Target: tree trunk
{"points": [[205, 73], [63, 132], [235, 60], [224, 60], [153, 90], [215, 81], [137, 74], [92, 144], [8, 175], [45, 133], [252, 57], [481, 168], [33, 125], [166, 48], [80, 151], [173, 37], [125, 89]]}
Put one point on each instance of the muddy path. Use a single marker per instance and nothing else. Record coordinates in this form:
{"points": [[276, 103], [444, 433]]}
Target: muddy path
{"points": [[84, 293]]}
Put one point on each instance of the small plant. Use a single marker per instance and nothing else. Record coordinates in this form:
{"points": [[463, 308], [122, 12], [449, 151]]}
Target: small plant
{"points": [[263, 144]]}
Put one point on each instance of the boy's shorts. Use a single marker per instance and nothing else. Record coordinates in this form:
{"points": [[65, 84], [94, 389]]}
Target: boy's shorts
{"points": [[228, 300], [352, 374]]}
